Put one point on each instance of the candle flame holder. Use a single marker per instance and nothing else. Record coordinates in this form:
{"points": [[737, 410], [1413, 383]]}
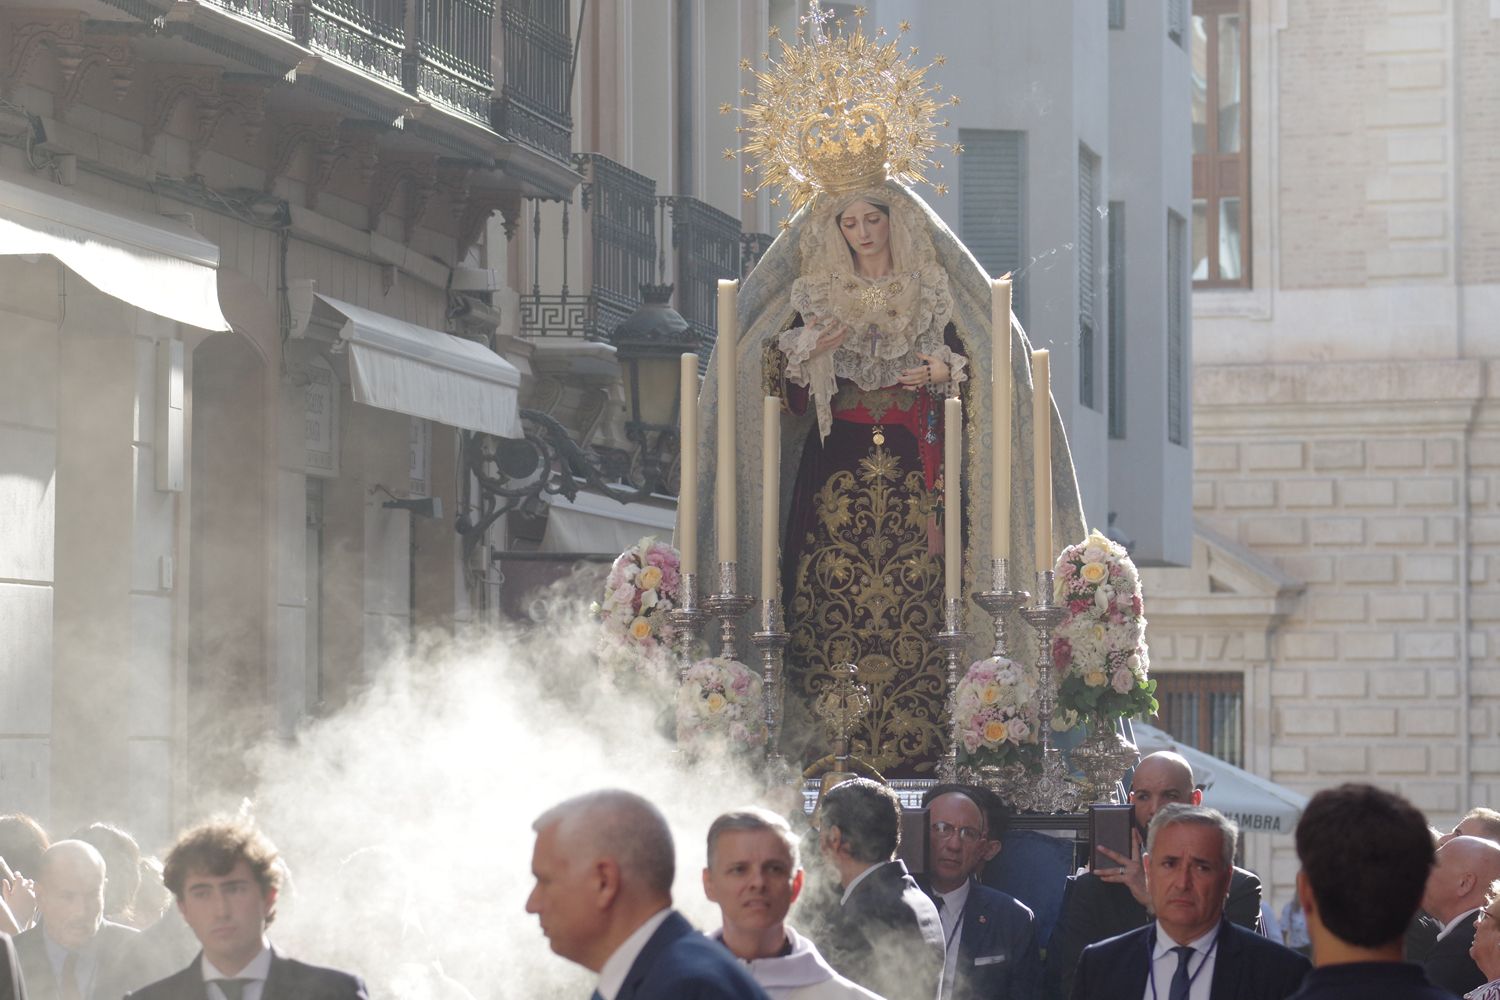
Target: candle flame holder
{"points": [[1054, 790], [687, 622], [771, 640], [729, 606], [952, 640], [999, 602]]}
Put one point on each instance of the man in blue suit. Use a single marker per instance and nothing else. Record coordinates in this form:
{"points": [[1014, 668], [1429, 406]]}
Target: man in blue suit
{"points": [[990, 936], [604, 864], [1191, 951]]}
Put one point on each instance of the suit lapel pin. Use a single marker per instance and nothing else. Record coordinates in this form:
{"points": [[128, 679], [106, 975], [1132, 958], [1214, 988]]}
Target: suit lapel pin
{"points": [[983, 919]]}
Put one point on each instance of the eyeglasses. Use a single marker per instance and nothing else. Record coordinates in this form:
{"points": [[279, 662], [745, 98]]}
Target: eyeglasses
{"points": [[967, 834]]}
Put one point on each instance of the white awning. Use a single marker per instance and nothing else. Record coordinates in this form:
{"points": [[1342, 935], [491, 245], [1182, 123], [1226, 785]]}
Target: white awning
{"points": [[595, 523], [147, 261], [400, 366]]}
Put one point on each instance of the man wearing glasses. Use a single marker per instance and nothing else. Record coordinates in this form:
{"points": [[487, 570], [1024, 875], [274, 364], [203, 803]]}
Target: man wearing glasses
{"points": [[990, 936]]}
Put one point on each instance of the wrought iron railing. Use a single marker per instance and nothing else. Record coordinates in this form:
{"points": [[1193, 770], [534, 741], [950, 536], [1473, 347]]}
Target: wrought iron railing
{"points": [[707, 244], [449, 60], [369, 35], [621, 210], [533, 106], [753, 247], [275, 13]]}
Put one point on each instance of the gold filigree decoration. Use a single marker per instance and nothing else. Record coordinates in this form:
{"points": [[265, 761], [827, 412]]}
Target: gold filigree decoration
{"points": [[868, 591], [840, 111], [878, 402], [773, 369]]}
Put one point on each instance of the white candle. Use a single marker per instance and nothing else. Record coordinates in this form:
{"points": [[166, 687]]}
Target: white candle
{"points": [[953, 550], [1041, 419], [770, 505], [687, 493], [1000, 402], [724, 488]]}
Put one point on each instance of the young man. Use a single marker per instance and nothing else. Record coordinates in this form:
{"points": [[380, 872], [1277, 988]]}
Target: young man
{"points": [[755, 875], [225, 876], [1191, 951], [1366, 856]]}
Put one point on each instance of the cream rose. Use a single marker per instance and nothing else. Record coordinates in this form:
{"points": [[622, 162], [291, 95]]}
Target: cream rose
{"points": [[1094, 572], [989, 694], [995, 731], [640, 629], [716, 703], [649, 578], [1095, 678]]}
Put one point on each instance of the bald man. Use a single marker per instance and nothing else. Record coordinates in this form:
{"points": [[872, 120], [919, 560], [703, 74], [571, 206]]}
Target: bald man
{"points": [[1454, 895], [604, 864], [1111, 901], [73, 953]]}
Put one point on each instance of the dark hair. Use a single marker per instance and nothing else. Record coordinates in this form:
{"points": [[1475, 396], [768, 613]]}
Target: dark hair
{"points": [[991, 807], [22, 843], [868, 814], [1366, 854], [215, 847]]}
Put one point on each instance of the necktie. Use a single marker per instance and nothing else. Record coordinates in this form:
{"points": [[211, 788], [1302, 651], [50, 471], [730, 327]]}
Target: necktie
{"points": [[234, 989], [1181, 981], [68, 988]]}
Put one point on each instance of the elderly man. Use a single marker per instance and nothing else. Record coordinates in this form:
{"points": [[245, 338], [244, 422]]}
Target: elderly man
{"points": [[886, 934], [1110, 901], [1365, 857], [1191, 952], [990, 936], [226, 876], [1454, 895], [603, 864], [755, 875], [73, 953]]}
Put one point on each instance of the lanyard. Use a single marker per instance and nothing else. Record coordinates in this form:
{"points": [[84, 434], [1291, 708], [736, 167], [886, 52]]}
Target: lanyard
{"points": [[1151, 959]]}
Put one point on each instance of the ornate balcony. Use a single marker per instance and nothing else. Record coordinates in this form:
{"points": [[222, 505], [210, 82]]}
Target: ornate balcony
{"points": [[449, 60], [369, 35], [707, 243], [533, 106], [271, 13]]}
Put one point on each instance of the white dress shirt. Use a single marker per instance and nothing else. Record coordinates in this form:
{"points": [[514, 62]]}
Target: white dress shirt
{"points": [[952, 914], [612, 974], [256, 972], [1164, 965], [85, 964]]}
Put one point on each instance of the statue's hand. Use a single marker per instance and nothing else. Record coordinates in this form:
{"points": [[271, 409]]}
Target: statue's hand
{"points": [[933, 370], [831, 334]]}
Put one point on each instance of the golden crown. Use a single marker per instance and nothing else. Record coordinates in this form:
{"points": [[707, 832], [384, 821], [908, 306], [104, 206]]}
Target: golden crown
{"points": [[840, 111]]}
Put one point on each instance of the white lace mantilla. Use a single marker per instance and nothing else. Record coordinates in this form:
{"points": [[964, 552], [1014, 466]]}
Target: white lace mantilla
{"points": [[895, 318]]}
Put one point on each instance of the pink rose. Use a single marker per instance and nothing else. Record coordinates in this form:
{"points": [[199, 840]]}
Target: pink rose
{"points": [[1122, 681]]}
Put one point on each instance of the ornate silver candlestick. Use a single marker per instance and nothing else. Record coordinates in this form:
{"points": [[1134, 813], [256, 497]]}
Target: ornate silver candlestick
{"points": [[1054, 790], [729, 606], [771, 640], [687, 621], [952, 639], [1000, 601]]}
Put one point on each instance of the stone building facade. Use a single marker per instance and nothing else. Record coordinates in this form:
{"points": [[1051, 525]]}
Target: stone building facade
{"points": [[1347, 437]]}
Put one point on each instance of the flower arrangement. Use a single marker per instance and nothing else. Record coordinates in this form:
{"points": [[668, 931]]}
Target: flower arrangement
{"points": [[643, 585], [719, 706], [996, 712], [1099, 650]]}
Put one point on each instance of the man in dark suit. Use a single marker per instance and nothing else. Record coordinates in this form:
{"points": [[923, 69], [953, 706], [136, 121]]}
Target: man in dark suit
{"points": [[1110, 901], [1365, 857], [226, 876], [990, 937], [12, 986], [886, 934], [603, 864], [1453, 896], [1191, 952], [73, 953]]}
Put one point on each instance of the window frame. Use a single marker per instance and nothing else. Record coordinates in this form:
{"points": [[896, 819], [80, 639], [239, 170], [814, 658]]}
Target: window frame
{"points": [[1221, 176]]}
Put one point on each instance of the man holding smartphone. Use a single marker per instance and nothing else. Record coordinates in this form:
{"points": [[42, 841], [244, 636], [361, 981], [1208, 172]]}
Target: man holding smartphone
{"points": [[1107, 902]]}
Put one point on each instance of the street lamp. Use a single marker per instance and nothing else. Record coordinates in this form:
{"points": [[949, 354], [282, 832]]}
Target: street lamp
{"points": [[649, 344]]}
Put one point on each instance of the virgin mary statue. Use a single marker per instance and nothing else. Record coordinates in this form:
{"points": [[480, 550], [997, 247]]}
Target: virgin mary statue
{"points": [[864, 313]]}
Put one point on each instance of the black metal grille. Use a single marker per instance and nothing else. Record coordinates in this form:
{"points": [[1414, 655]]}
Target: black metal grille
{"points": [[533, 104], [452, 55], [1205, 711], [621, 206], [707, 242], [276, 13], [367, 34], [753, 247]]}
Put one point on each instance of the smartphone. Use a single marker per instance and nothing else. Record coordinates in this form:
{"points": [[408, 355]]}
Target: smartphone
{"points": [[914, 840], [1109, 826]]}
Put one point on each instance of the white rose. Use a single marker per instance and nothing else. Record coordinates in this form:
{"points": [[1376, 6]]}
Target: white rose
{"points": [[648, 599], [1103, 596]]}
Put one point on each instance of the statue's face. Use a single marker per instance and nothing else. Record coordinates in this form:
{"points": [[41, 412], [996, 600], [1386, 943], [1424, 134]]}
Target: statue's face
{"points": [[867, 230]]}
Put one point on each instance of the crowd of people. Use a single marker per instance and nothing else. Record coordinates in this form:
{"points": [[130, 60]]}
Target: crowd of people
{"points": [[1385, 907]]}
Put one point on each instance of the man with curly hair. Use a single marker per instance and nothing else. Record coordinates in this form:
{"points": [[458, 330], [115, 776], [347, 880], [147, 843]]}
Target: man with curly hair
{"points": [[226, 875]]}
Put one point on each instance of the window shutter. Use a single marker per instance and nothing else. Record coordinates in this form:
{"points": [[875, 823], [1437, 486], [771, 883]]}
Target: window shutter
{"points": [[1088, 225], [1176, 266], [1116, 319], [992, 191]]}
